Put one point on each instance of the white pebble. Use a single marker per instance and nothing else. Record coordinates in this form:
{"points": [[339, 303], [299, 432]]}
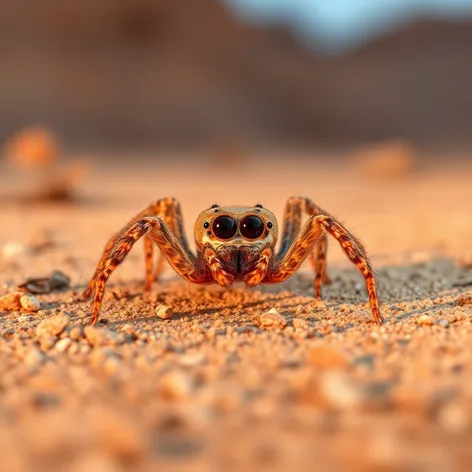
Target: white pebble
{"points": [[273, 318], [165, 312], [30, 303], [63, 344]]}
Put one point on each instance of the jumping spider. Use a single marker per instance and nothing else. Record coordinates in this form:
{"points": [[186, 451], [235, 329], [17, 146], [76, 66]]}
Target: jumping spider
{"points": [[233, 244]]}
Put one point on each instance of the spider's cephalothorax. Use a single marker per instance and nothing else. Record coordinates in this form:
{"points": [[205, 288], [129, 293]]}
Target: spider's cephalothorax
{"points": [[236, 243], [233, 244]]}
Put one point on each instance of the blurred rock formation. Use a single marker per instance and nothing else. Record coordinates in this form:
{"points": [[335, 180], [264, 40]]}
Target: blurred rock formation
{"points": [[181, 72]]}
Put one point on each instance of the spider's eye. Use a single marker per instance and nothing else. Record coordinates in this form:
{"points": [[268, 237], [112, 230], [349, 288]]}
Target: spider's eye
{"points": [[251, 227], [224, 227]]}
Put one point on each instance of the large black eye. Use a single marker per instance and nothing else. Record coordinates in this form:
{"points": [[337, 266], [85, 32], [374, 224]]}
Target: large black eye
{"points": [[251, 227], [224, 227]]}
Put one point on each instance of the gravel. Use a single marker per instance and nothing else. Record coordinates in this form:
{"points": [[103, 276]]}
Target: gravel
{"points": [[242, 379]]}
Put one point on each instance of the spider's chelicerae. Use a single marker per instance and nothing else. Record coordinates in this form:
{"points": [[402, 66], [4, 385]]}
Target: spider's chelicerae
{"points": [[233, 244]]}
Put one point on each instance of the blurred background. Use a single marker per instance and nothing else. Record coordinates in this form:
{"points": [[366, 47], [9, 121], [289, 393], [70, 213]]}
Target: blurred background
{"points": [[263, 98], [173, 74], [364, 106]]}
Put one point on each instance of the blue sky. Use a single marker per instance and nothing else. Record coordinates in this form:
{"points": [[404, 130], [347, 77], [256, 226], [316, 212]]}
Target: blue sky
{"points": [[340, 24]]}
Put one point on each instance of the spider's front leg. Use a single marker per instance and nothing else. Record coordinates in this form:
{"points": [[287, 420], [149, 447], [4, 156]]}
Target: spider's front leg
{"points": [[172, 249], [169, 210], [301, 248]]}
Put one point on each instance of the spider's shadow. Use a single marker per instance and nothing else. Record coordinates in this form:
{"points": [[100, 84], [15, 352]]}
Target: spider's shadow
{"points": [[410, 282]]}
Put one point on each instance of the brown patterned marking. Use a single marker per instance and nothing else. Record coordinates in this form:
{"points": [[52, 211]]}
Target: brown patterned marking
{"points": [[221, 276], [318, 262], [256, 276], [171, 247], [312, 234], [294, 209], [161, 224], [148, 261], [299, 250], [159, 267], [170, 211], [356, 253]]}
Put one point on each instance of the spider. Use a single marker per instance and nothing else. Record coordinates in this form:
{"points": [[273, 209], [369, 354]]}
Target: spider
{"points": [[233, 244]]}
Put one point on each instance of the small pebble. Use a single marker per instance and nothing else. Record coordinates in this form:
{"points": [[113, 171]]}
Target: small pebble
{"points": [[58, 280], [8, 333], [319, 304], [443, 323], [34, 357], [11, 301], [47, 342], [76, 332], [425, 320], [63, 344], [165, 312], [100, 336], [30, 303], [53, 326], [300, 323], [273, 318], [451, 318], [176, 385]]}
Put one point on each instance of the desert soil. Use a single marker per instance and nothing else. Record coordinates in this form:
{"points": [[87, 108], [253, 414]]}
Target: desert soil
{"points": [[213, 389]]}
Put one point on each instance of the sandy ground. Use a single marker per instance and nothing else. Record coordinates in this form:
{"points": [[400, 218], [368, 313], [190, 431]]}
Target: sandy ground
{"points": [[212, 389]]}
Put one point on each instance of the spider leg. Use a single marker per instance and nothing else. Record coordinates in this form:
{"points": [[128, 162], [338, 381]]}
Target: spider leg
{"points": [[303, 245], [318, 262], [166, 208], [172, 249], [293, 214], [159, 267], [148, 262], [152, 275]]}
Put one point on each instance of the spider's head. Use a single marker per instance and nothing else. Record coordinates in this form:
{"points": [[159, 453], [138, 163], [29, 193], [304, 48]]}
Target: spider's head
{"points": [[237, 234]]}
